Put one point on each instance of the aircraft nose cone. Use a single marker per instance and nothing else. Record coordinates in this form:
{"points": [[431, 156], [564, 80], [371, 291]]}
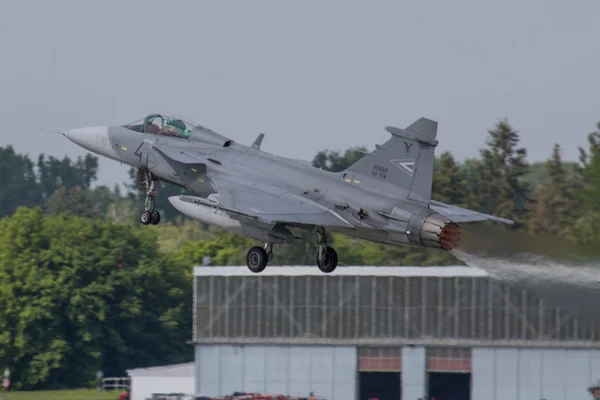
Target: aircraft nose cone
{"points": [[88, 138], [79, 134]]}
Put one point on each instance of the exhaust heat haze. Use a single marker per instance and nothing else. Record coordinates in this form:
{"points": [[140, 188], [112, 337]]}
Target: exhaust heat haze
{"points": [[561, 274]]}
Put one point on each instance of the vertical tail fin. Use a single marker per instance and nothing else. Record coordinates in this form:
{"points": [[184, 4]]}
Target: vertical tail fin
{"points": [[402, 166]]}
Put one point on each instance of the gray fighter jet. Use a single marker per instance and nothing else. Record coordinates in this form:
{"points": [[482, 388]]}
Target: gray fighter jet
{"points": [[385, 197]]}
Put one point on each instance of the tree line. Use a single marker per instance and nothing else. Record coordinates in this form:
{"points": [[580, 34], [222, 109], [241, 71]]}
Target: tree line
{"points": [[84, 287]]}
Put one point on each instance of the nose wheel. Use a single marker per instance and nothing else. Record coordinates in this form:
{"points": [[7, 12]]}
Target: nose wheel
{"points": [[147, 181], [150, 217]]}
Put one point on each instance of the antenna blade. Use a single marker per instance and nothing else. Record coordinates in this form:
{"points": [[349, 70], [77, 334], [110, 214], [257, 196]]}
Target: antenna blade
{"points": [[258, 141]]}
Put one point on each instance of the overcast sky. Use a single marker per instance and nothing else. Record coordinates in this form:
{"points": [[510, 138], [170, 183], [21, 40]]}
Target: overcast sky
{"points": [[311, 75]]}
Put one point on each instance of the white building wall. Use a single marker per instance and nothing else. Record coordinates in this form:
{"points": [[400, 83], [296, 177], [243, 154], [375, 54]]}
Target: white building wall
{"points": [[142, 387], [290, 370], [178, 378], [414, 373], [524, 374]]}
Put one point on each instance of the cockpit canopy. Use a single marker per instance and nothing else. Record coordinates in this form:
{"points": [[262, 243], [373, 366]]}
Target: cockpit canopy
{"points": [[174, 126], [163, 124]]}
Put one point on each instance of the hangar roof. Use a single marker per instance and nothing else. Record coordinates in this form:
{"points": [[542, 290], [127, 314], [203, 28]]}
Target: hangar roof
{"points": [[177, 370], [303, 270]]}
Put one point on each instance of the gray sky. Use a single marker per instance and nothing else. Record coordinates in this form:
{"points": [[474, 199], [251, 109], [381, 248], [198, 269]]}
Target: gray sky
{"points": [[311, 74]]}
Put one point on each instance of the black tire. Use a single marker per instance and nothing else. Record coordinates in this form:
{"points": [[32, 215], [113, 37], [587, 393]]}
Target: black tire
{"points": [[154, 217], [257, 259], [330, 261], [145, 218]]}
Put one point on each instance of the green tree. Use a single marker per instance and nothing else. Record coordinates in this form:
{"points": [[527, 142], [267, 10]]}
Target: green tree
{"points": [[102, 197], [54, 173], [553, 209], [18, 182], [73, 201], [586, 182], [448, 181], [80, 294], [173, 235], [225, 248], [501, 187], [27, 185], [118, 207]]}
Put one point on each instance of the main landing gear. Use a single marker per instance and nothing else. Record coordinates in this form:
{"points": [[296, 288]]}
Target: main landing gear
{"points": [[258, 257], [327, 258], [147, 182]]}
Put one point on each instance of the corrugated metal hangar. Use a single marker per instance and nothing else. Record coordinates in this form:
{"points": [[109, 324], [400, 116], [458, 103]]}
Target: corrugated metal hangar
{"points": [[449, 333]]}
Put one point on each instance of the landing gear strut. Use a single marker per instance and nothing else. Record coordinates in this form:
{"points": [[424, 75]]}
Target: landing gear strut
{"points": [[327, 258], [258, 257], [147, 182]]}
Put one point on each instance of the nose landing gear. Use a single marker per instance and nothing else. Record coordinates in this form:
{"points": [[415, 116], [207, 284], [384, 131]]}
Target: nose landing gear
{"points": [[150, 217], [147, 182]]}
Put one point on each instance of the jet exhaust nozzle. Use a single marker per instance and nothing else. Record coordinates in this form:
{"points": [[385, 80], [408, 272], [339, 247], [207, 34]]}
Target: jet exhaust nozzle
{"points": [[439, 232]]}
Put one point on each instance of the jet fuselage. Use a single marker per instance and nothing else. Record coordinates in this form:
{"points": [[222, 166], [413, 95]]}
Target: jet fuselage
{"points": [[244, 162], [384, 197]]}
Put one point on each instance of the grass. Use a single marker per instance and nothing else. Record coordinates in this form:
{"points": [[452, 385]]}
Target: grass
{"points": [[78, 394]]}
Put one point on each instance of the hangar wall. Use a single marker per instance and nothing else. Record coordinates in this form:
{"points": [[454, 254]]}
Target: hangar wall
{"points": [[293, 370], [533, 373], [414, 372], [331, 372], [294, 330]]}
